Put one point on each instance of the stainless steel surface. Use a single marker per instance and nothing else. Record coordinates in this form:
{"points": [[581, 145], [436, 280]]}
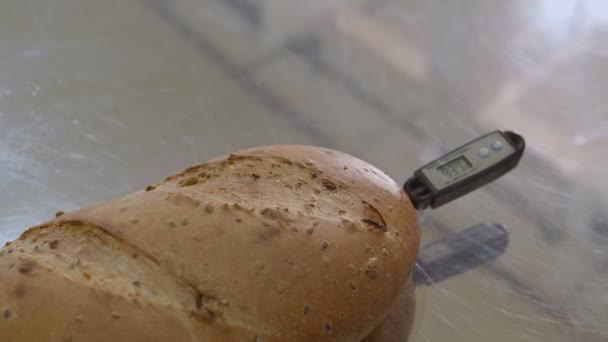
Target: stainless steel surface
{"points": [[99, 98]]}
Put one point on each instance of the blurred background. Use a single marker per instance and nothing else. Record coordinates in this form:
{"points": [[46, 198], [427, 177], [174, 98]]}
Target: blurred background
{"points": [[100, 98]]}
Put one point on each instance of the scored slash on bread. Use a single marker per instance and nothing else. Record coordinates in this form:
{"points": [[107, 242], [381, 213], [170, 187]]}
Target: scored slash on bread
{"points": [[277, 243]]}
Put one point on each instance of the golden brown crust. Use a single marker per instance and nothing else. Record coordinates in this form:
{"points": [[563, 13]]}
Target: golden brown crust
{"points": [[39, 305], [278, 243]]}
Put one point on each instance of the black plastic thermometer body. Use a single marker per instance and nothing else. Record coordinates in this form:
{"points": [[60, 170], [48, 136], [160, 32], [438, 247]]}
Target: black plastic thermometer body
{"points": [[465, 169]]}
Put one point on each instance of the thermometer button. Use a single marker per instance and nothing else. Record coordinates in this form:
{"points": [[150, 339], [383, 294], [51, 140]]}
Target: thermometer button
{"points": [[483, 152], [497, 145]]}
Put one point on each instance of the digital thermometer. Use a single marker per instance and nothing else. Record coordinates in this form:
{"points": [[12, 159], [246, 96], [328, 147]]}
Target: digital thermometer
{"points": [[465, 169]]}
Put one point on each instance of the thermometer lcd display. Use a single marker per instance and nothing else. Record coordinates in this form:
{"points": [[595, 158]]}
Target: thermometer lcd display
{"points": [[455, 168]]}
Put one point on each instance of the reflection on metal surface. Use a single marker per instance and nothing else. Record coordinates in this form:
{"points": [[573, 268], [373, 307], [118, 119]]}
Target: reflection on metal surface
{"points": [[92, 108], [396, 50]]}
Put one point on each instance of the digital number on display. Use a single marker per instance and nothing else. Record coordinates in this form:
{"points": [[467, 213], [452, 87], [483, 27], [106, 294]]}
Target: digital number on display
{"points": [[455, 168]]}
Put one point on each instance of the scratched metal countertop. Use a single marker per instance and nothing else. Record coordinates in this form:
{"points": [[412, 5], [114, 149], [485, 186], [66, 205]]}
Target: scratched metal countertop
{"points": [[99, 98]]}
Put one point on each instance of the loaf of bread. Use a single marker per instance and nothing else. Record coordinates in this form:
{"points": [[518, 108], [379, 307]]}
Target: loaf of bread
{"points": [[277, 243]]}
